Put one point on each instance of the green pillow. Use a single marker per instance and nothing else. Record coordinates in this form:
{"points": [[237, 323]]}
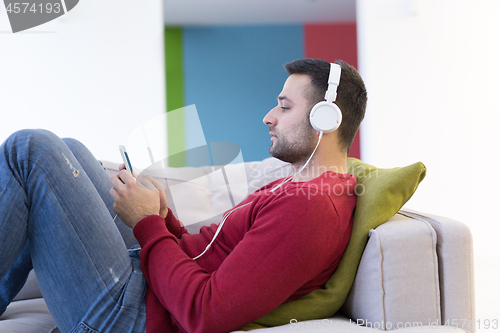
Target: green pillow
{"points": [[381, 193]]}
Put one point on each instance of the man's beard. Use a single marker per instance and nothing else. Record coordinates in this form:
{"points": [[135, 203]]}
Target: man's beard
{"points": [[296, 149]]}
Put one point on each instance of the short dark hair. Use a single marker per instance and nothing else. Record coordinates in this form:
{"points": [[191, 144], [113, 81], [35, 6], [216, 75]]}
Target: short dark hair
{"points": [[351, 93]]}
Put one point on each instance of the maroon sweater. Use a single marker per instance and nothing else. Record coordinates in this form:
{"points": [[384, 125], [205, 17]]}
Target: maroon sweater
{"points": [[281, 246]]}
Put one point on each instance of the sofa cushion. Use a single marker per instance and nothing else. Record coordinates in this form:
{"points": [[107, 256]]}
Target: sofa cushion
{"points": [[27, 316], [397, 280], [381, 193], [30, 289]]}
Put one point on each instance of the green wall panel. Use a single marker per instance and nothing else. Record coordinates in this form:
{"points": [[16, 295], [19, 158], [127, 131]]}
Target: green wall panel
{"points": [[175, 95]]}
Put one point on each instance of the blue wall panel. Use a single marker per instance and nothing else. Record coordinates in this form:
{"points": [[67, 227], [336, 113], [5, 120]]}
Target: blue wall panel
{"points": [[233, 74]]}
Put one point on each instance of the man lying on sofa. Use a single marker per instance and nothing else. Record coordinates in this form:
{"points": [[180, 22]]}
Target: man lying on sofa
{"points": [[282, 242]]}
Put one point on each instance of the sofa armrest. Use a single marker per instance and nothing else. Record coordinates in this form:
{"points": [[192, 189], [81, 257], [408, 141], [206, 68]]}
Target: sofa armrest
{"points": [[456, 269], [397, 282]]}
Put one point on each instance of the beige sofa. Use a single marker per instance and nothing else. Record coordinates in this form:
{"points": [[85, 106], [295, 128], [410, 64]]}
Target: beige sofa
{"points": [[416, 271]]}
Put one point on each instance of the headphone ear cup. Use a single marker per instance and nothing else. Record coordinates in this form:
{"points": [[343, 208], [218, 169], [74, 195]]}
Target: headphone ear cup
{"points": [[325, 117]]}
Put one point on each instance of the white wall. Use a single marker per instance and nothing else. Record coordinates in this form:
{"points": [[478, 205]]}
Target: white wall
{"points": [[433, 77], [432, 72], [95, 73]]}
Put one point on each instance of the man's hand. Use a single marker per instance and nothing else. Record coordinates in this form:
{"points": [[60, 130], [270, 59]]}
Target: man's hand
{"points": [[159, 187], [163, 198], [138, 198]]}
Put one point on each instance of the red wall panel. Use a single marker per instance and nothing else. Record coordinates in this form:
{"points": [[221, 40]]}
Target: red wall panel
{"points": [[331, 42]]}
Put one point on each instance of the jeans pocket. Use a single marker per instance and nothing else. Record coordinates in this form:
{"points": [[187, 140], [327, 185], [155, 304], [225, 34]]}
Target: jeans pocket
{"points": [[84, 328]]}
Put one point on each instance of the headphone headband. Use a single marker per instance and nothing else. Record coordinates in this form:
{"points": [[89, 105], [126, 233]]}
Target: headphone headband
{"points": [[333, 83]]}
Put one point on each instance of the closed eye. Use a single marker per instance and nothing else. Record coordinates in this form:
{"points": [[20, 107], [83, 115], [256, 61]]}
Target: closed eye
{"points": [[283, 108]]}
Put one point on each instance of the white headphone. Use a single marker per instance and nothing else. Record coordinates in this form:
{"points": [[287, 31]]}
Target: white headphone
{"points": [[326, 116]]}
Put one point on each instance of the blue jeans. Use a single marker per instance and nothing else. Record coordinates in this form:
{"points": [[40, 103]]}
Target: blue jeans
{"points": [[56, 215]]}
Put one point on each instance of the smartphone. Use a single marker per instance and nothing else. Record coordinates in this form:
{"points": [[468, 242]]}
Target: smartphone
{"points": [[125, 159]]}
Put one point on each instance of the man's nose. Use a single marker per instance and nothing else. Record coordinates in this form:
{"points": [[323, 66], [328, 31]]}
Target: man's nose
{"points": [[269, 118]]}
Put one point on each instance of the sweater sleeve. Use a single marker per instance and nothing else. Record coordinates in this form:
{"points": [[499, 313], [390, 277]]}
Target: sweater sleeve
{"points": [[174, 225], [285, 247]]}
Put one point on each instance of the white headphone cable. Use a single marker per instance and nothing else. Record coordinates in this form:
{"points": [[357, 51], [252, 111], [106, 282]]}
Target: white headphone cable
{"points": [[291, 177], [235, 209], [283, 182], [219, 229]]}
